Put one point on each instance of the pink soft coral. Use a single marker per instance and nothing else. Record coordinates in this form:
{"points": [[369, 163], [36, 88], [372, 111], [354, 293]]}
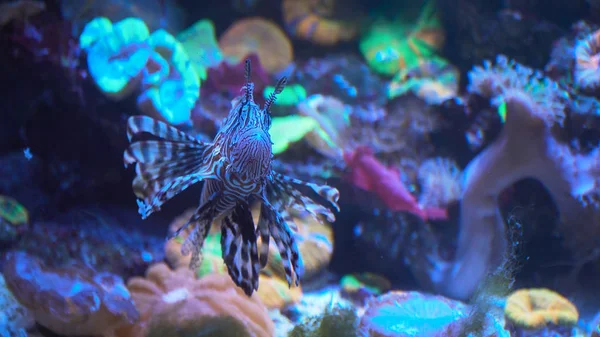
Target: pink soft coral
{"points": [[371, 175]]}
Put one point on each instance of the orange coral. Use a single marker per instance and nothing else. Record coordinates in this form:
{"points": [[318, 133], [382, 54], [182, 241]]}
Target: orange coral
{"points": [[168, 297], [306, 19], [257, 36], [587, 58], [275, 292], [69, 301], [536, 308]]}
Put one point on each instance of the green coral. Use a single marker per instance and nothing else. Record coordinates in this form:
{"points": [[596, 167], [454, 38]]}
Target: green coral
{"points": [[200, 42], [389, 46], [335, 322], [289, 129], [291, 95]]}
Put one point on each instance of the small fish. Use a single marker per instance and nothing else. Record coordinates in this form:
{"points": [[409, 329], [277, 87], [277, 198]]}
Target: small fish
{"points": [[236, 171]]}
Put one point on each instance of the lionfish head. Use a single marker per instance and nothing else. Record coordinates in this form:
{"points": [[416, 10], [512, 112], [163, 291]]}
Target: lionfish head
{"points": [[245, 107]]}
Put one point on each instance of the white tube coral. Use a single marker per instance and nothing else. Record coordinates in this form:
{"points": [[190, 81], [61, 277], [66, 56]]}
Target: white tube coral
{"points": [[525, 148]]}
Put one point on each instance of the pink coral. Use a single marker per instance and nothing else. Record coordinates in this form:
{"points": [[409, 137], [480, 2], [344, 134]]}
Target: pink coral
{"points": [[69, 301], [369, 174]]}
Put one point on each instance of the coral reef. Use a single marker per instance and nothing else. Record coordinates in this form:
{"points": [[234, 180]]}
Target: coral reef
{"points": [[70, 301], [397, 314], [169, 298]]}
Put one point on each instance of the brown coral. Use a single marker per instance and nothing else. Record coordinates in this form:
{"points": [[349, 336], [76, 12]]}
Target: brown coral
{"points": [[261, 37], [168, 297], [69, 301], [536, 308]]}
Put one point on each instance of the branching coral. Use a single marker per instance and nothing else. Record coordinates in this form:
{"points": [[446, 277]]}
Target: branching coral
{"points": [[69, 301], [116, 54], [167, 298], [170, 83], [257, 36], [308, 20], [525, 148]]}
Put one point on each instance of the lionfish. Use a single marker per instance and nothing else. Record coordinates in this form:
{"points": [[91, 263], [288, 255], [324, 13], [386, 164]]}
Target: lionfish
{"points": [[236, 171]]}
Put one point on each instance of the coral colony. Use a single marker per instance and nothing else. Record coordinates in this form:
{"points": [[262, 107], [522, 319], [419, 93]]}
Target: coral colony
{"points": [[318, 168]]}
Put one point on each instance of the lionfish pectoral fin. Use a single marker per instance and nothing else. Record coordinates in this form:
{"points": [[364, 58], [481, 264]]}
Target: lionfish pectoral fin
{"points": [[287, 184], [262, 230], [201, 221], [164, 167], [240, 252], [286, 244]]}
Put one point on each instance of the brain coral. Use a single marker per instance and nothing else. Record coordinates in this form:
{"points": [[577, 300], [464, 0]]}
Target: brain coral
{"points": [[167, 298]]}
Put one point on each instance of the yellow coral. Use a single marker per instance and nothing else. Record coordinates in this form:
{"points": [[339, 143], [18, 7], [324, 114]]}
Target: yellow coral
{"points": [[535, 308], [168, 297], [261, 37]]}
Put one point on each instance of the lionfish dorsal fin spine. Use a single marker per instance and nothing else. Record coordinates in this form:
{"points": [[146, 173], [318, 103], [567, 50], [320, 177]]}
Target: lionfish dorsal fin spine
{"points": [[249, 88], [278, 89]]}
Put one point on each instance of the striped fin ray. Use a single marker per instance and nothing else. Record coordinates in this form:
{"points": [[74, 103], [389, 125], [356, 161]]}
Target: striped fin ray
{"points": [[201, 220], [262, 230], [165, 168], [286, 244], [139, 124], [283, 188], [331, 194], [240, 252]]}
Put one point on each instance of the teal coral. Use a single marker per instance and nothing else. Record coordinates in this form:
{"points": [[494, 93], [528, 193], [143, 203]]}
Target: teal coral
{"points": [[289, 129], [116, 54], [172, 95], [200, 43]]}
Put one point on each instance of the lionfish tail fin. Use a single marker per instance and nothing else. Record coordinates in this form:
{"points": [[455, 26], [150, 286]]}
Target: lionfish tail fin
{"points": [[166, 166], [278, 89], [239, 248], [286, 244]]}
